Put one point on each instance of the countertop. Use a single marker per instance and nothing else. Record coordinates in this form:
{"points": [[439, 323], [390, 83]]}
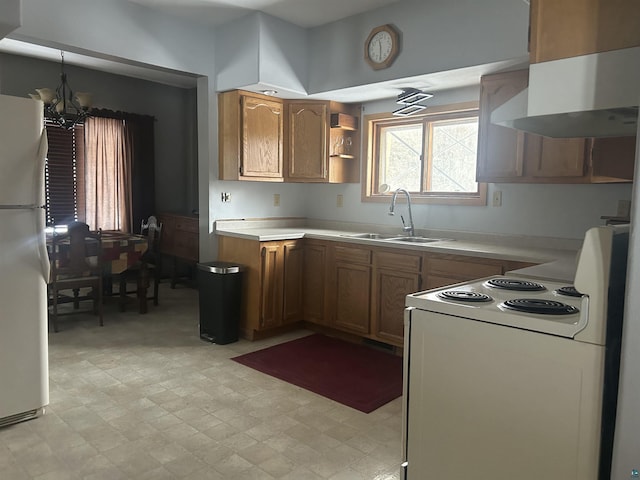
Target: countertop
{"points": [[553, 263]]}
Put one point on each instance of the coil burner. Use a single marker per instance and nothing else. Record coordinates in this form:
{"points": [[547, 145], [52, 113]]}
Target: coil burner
{"points": [[540, 306], [569, 291], [515, 284], [465, 296]]}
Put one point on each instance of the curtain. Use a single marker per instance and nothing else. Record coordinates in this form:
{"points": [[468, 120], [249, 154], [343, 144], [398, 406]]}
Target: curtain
{"points": [[108, 171], [135, 146]]}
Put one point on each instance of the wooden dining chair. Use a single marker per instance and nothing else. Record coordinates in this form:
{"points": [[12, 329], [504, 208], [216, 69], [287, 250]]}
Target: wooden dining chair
{"points": [[76, 265], [150, 260]]}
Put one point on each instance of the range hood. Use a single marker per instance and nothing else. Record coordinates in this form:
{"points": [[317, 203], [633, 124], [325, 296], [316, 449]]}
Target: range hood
{"points": [[594, 95]]}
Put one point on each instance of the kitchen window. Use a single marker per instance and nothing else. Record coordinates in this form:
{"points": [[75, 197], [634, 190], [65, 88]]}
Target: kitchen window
{"points": [[433, 156]]}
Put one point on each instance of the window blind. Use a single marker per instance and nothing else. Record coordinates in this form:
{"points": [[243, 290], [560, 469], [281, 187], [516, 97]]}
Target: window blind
{"points": [[64, 178]]}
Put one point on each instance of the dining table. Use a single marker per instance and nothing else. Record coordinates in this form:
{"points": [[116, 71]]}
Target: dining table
{"points": [[120, 251]]}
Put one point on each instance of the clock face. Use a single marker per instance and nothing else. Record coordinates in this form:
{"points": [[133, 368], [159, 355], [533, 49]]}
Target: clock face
{"points": [[380, 47]]}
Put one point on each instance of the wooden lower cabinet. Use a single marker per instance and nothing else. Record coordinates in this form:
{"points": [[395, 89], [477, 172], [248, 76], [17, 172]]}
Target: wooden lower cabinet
{"points": [[292, 271], [395, 276], [351, 289], [314, 282], [345, 287], [271, 290]]}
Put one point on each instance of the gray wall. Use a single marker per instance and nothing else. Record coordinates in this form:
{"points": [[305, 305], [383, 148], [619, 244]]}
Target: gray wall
{"points": [[173, 108]]}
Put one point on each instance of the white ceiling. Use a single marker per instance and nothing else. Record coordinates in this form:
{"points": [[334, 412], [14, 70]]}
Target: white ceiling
{"points": [[305, 13]]}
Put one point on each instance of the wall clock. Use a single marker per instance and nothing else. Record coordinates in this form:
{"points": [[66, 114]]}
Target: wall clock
{"points": [[382, 47]]}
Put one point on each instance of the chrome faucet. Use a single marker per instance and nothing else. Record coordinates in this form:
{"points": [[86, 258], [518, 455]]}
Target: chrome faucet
{"points": [[405, 228]]}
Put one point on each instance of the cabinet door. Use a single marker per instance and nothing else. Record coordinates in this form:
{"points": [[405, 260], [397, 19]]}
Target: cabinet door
{"points": [[569, 28], [500, 149], [271, 286], [307, 141], [315, 261], [391, 288], [262, 135], [555, 157], [293, 258], [613, 159], [352, 300]]}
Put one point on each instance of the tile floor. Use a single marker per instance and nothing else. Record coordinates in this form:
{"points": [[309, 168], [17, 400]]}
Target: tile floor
{"points": [[144, 398]]}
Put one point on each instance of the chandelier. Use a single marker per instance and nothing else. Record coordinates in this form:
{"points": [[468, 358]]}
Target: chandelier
{"points": [[62, 105], [411, 99]]}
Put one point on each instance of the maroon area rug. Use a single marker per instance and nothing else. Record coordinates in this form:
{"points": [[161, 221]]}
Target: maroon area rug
{"points": [[354, 375]]}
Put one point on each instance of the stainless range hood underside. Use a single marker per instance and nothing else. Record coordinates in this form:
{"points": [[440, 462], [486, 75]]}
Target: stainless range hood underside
{"points": [[593, 95]]}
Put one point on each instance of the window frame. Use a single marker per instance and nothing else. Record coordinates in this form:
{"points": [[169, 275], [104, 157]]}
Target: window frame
{"points": [[371, 124]]}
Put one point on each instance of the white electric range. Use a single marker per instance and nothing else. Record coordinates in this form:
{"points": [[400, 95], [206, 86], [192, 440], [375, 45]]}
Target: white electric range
{"points": [[515, 378]]}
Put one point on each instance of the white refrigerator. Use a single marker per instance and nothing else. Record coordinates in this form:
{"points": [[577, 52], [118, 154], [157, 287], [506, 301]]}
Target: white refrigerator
{"points": [[24, 264]]}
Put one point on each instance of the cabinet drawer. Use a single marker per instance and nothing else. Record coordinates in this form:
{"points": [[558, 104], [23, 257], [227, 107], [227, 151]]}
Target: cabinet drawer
{"points": [[461, 269], [398, 261], [353, 255], [186, 245], [186, 225]]}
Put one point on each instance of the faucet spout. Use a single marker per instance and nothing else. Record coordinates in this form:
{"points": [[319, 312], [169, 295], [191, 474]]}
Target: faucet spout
{"points": [[405, 228]]}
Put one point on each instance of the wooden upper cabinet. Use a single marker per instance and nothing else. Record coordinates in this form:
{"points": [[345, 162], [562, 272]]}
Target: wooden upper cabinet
{"points": [[265, 138], [307, 141], [555, 157], [506, 155], [500, 149], [569, 28], [262, 124], [250, 137], [612, 159]]}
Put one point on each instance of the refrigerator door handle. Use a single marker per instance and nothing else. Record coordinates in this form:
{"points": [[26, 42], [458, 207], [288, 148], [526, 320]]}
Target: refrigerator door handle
{"points": [[42, 244], [38, 179], [40, 200]]}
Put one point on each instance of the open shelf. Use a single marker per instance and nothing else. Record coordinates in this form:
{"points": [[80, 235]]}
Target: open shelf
{"points": [[344, 121]]}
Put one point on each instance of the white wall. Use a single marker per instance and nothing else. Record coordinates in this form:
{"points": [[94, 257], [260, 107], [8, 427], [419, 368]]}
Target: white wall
{"points": [[284, 55], [436, 35], [10, 17], [237, 53], [563, 211]]}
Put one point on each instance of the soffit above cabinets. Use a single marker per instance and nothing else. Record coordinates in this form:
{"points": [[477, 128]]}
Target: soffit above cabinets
{"points": [[304, 13]]}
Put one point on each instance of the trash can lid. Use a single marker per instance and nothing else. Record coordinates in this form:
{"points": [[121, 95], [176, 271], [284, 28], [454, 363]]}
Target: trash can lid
{"points": [[221, 268]]}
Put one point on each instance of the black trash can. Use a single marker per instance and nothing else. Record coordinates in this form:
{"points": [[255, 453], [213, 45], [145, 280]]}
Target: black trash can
{"points": [[220, 290]]}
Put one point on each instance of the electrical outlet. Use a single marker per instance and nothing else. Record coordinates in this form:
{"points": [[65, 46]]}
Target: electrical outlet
{"points": [[276, 199], [339, 200], [497, 198], [225, 197]]}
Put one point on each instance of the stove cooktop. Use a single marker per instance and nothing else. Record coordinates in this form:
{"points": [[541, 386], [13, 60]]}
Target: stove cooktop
{"points": [[539, 306]]}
